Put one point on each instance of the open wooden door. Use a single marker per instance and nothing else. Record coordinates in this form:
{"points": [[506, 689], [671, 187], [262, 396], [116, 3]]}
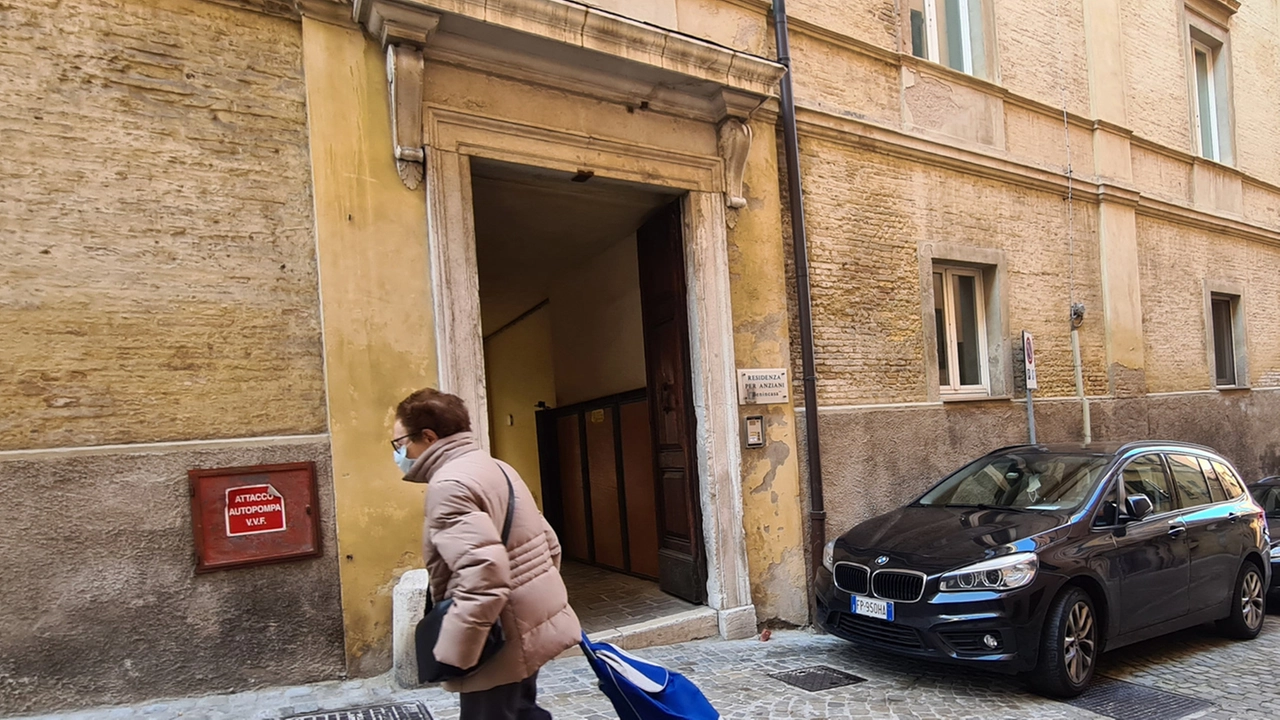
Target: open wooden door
{"points": [[682, 568]]}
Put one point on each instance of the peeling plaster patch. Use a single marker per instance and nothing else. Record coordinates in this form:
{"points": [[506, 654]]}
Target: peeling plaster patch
{"points": [[767, 326], [777, 453], [778, 585]]}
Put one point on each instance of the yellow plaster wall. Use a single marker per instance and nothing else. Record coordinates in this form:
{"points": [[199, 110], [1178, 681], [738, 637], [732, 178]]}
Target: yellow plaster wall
{"points": [[519, 373], [771, 499], [378, 333]]}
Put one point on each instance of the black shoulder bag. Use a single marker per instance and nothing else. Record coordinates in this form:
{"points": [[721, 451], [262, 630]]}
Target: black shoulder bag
{"points": [[428, 631]]}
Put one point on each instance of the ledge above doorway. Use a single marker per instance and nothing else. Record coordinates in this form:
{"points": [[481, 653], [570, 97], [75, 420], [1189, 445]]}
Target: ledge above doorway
{"points": [[534, 27]]}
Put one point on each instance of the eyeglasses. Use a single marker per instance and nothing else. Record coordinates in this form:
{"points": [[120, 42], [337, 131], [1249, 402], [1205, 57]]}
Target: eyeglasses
{"points": [[396, 444]]}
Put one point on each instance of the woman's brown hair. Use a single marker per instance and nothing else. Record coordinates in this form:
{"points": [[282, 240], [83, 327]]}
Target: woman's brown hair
{"points": [[430, 409]]}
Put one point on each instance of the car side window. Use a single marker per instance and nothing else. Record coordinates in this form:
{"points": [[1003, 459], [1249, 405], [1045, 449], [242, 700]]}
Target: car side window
{"points": [[1193, 489], [1145, 476], [1230, 482]]}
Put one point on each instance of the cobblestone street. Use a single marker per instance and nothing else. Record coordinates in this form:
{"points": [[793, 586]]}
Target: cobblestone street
{"points": [[1235, 677]]}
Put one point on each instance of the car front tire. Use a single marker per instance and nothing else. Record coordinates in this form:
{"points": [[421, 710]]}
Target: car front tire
{"points": [[1069, 646], [1248, 605]]}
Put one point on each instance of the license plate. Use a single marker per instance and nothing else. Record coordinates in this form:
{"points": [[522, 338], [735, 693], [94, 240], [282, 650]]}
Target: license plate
{"points": [[879, 609]]}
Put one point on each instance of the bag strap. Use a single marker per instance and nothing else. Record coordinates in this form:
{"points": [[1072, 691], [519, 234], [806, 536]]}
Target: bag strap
{"points": [[511, 505]]}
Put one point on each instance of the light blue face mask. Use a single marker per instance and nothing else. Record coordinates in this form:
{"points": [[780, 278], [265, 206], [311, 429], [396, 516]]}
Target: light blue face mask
{"points": [[403, 461]]}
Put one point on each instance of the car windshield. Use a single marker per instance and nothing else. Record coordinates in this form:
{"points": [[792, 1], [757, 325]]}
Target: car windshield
{"points": [[1268, 498], [1029, 481]]}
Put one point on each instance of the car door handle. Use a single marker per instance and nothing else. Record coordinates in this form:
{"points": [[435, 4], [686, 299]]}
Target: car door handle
{"points": [[1176, 530]]}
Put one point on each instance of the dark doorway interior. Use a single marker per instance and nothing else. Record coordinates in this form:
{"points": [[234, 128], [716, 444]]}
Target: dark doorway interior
{"points": [[587, 358]]}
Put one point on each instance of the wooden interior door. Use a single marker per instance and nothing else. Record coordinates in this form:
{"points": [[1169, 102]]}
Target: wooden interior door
{"points": [[664, 306]]}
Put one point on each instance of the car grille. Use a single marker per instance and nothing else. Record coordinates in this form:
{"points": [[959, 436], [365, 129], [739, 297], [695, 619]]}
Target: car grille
{"points": [[851, 578], [878, 632], [969, 642], [897, 585]]}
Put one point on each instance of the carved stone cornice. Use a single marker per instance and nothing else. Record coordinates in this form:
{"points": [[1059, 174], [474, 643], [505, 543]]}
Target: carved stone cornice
{"points": [[393, 23], [722, 85], [576, 24], [1218, 11]]}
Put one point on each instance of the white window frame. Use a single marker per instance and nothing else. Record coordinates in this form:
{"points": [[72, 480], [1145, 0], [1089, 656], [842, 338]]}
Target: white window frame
{"points": [[931, 30], [1210, 57], [951, 383]]}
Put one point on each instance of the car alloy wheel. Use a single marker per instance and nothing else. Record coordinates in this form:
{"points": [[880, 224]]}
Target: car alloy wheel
{"points": [[1079, 643], [1252, 600]]}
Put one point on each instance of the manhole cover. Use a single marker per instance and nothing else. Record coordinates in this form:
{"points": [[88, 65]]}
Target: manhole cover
{"points": [[1127, 701], [817, 678], [392, 711]]}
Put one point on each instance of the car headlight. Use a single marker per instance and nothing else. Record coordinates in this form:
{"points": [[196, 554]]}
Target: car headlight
{"points": [[1275, 552], [829, 555], [1002, 573]]}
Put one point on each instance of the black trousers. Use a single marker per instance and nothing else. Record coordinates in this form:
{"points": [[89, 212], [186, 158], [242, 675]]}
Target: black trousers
{"points": [[517, 701]]}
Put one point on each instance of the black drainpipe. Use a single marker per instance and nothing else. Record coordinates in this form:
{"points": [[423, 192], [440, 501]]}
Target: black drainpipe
{"points": [[791, 143]]}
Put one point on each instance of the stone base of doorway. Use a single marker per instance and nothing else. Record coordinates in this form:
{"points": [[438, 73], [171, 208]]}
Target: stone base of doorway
{"points": [[409, 601], [696, 624]]}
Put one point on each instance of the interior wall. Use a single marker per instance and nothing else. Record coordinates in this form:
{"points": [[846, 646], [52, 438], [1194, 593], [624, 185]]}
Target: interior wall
{"points": [[520, 373], [596, 328]]}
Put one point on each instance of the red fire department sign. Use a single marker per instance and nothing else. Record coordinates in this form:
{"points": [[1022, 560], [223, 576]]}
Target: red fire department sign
{"points": [[254, 509], [253, 515]]}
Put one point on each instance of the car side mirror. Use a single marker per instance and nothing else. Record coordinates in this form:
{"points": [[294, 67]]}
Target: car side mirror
{"points": [[1138, 506]]}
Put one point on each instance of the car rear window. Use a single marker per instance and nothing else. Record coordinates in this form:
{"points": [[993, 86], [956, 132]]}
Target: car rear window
{"points": [[1031, 480], [1193, 489], [1230, 482]]}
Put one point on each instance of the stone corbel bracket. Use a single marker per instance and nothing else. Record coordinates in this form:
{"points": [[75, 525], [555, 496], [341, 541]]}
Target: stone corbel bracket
{"points": [[405, 70], [734, 141], [403, 33]]}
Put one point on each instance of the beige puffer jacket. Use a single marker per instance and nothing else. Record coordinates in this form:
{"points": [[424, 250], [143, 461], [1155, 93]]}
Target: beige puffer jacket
{"points": [[462, 547]]}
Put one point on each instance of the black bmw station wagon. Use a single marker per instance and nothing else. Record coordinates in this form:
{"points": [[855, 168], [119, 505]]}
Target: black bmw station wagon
{"points": [[1037, 558]]}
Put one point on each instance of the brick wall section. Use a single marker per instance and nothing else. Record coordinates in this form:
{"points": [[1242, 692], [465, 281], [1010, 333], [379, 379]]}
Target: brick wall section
{"points": [[155, 225], [1156, 72], [1040, 49], [872, 21], [867, 214], [1175, 262], [1255, 61]]}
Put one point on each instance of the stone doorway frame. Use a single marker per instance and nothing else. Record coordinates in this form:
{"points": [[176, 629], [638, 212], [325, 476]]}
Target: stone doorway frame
{"points": [[453, 139], [684, 76]]}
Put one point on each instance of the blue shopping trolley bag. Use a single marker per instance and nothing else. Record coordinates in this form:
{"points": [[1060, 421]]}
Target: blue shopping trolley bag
{"points": [[641, 690]]}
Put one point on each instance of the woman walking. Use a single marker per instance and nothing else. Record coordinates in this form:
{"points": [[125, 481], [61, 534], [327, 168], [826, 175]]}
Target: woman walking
{"points": [[519, 583]]}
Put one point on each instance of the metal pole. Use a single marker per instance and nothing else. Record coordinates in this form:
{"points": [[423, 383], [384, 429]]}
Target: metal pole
{"points": [[1077, 317], [1031, 417], [791, 145]]}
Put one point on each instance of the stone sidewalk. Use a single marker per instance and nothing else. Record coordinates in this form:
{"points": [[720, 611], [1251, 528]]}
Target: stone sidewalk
{"points": [[1235, 677]]}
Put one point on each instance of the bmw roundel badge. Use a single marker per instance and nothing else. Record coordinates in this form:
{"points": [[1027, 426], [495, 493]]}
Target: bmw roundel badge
{"points": [[882, 559]]}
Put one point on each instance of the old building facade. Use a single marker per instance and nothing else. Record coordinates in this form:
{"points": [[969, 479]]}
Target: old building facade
{"points": [[236, 233]]}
